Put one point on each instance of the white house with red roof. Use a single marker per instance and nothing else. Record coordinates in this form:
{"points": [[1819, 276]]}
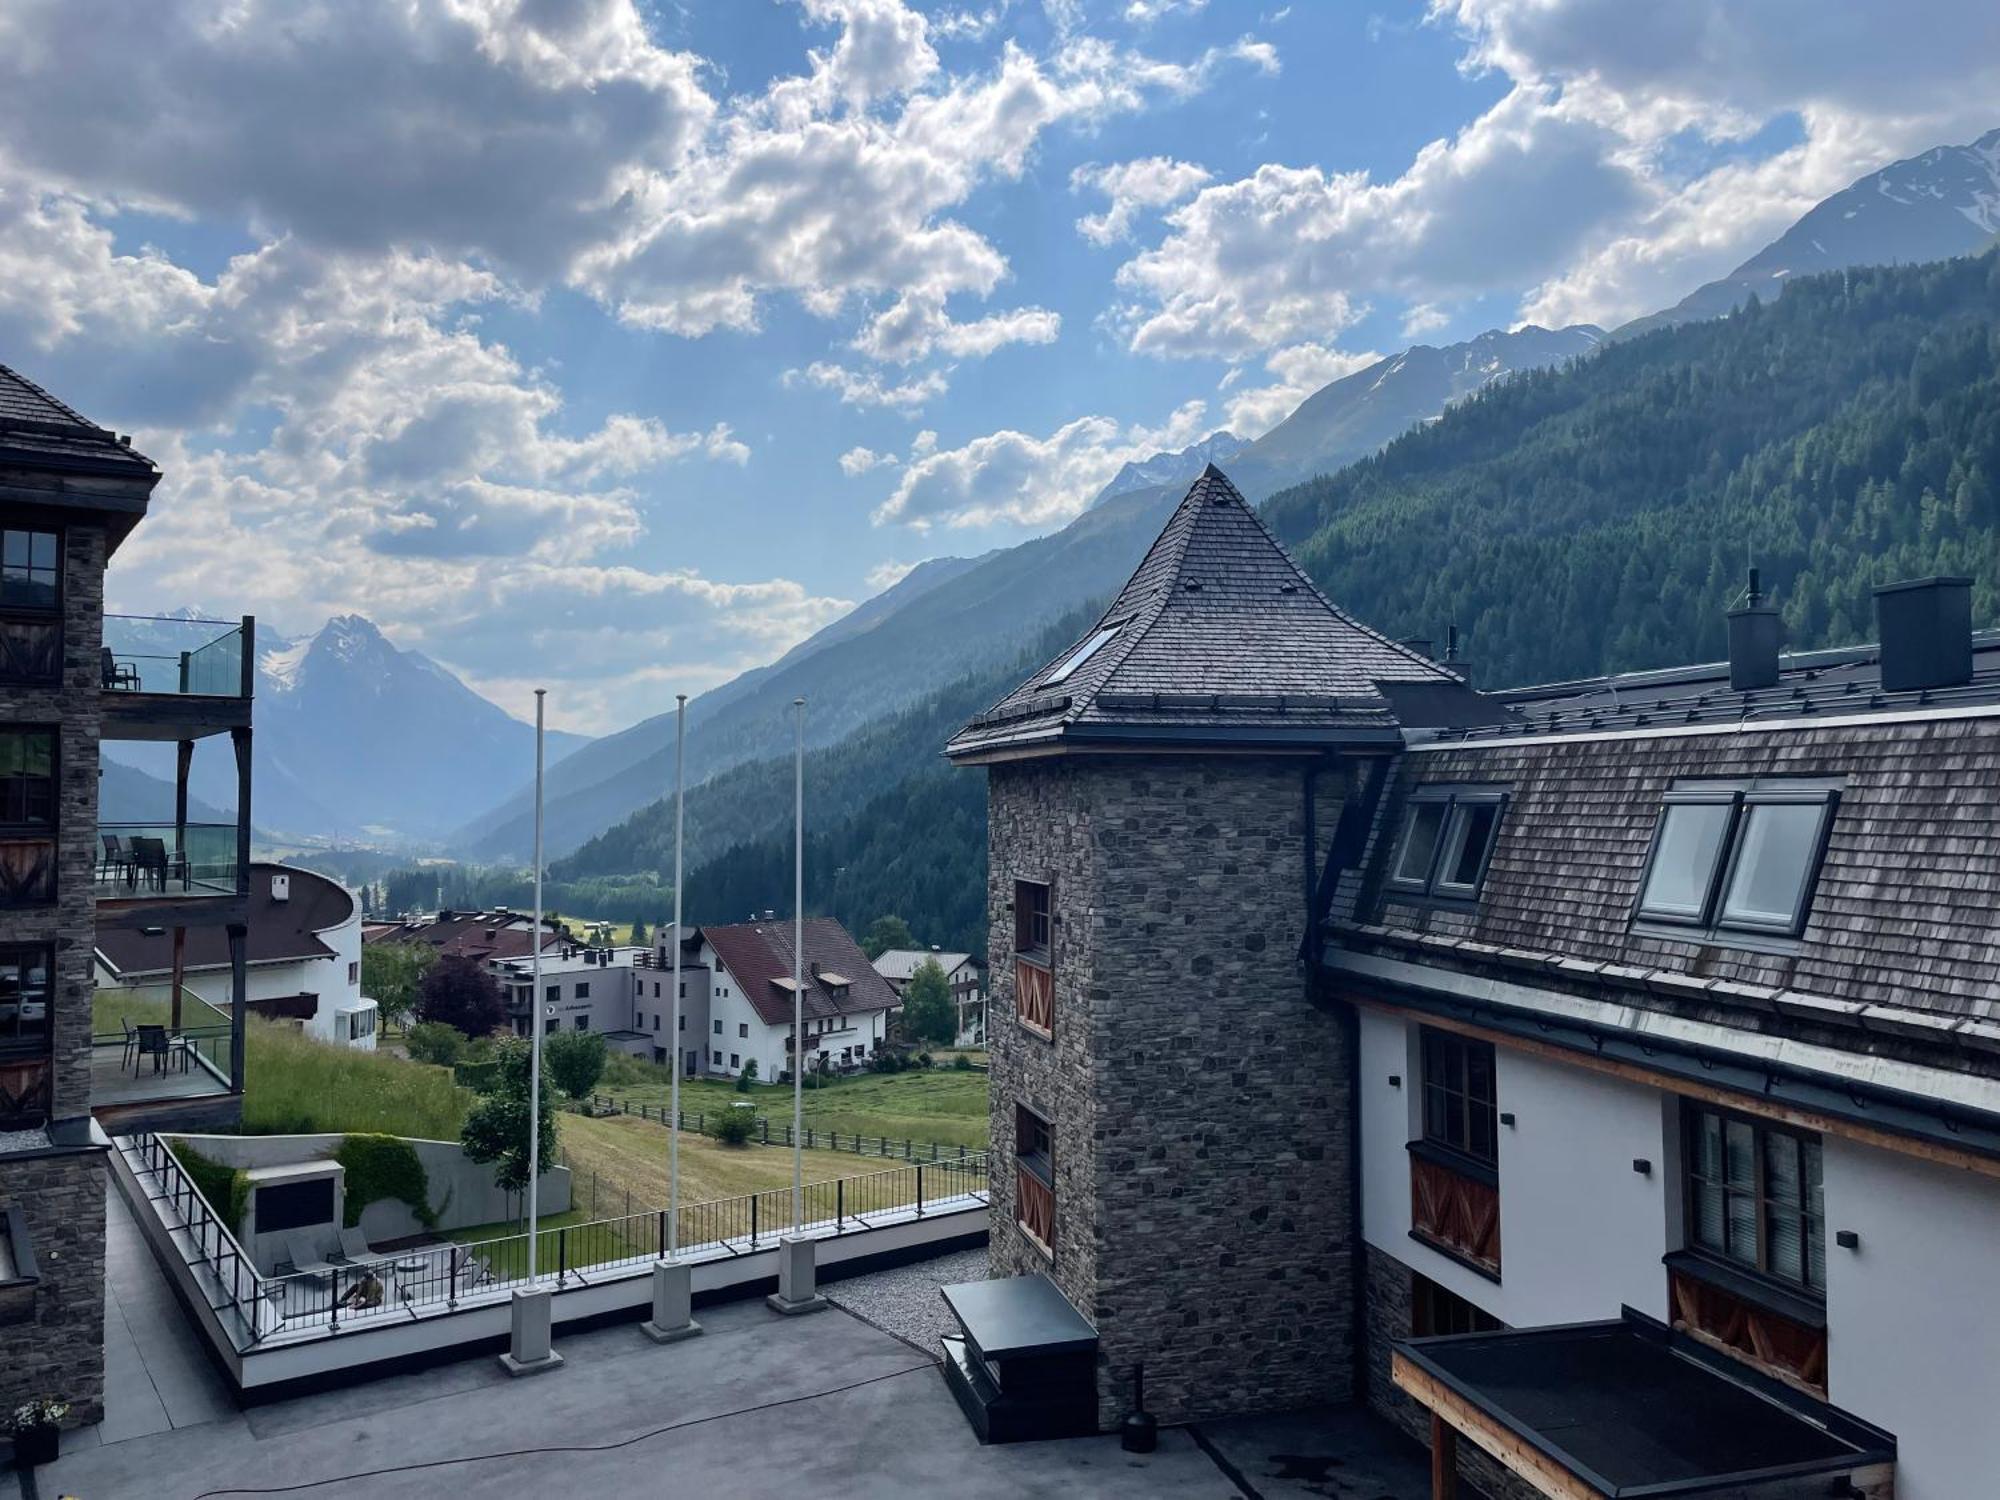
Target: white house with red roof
{"points": [[751, 999]]}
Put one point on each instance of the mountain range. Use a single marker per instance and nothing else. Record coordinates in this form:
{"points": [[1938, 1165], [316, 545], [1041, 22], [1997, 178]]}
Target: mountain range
{"points": [[919, 636]]}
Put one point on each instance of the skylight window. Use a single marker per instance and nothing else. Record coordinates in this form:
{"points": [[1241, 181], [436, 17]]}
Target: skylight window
{"points": [[1082, 654], [1447, 841], [1737, 857]]}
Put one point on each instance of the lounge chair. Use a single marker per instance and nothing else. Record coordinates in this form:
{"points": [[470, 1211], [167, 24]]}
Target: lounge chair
{"points": [[305, 1260], [356, 1251], [154, 1042]]}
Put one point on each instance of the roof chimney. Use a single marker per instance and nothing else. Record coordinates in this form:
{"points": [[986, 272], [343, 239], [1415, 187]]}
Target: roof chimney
{"points": [[1925, 625], [769, 915], [1421, 644], [1452, 660], [1754, 630]]}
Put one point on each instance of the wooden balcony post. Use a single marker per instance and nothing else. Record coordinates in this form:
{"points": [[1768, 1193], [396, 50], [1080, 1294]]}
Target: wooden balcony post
{"points": [[1444, 1459], [239, 1001]]}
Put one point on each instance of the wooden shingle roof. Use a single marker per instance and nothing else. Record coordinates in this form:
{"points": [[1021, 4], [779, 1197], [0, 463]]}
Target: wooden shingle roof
{"points": [[38, 430], [1218, 637]]}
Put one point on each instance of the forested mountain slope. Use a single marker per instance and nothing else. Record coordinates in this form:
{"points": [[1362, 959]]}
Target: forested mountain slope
{"points": [[1599, 516]]}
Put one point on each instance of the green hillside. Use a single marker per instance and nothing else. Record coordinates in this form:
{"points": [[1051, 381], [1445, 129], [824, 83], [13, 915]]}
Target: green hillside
{"points": [[1599, 516]]}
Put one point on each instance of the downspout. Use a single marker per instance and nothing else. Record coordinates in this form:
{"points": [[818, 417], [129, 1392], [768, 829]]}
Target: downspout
{"points": [[1350, 842]]}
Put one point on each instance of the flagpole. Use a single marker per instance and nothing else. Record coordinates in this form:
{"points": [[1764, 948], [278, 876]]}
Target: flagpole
{"points": [[674, 1118], [798, 965], [535, 1016]]}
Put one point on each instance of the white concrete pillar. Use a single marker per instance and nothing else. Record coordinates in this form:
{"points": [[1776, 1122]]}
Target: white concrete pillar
{"points": [[532, 1351], [673, 1304], [797, 1277]]}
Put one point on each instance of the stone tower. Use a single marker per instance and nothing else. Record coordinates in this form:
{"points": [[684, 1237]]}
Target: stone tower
{"points": [[1170, 1112]]}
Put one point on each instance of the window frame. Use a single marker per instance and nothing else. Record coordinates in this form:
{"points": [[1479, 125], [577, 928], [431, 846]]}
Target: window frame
{"points": [[1739, 797], [35, 667], [1032, 1127], [1435, 1042], [31, 530], [1433, 886], [1027, 917], [26, 827], [1436, 1311], [1079, 655], [1738, 1273]]}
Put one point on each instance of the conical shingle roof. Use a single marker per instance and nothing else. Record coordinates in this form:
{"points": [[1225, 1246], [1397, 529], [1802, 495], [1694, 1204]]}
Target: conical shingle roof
{"points": [[1219, 637]]}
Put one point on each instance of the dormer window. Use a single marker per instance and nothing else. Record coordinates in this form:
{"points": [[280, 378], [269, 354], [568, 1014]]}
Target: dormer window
{"points": [[1739, 856], [1446, 841], [1082, 654]]}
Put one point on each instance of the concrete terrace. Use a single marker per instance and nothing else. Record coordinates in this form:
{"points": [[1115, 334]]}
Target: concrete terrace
{"points": [[759, 1405]]}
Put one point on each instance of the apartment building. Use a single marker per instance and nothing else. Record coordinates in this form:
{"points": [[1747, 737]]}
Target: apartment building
{"points": [[1601, 1080], [70, 677]]}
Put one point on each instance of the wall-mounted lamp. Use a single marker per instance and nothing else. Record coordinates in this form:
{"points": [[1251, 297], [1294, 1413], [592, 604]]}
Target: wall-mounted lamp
{"points": [[1507, 1118], [1395, 1080], [1847, 1239], [1643, 1167]]}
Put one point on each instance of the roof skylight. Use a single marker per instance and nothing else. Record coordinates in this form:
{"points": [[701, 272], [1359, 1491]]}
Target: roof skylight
{"points": [[1082, 654]]}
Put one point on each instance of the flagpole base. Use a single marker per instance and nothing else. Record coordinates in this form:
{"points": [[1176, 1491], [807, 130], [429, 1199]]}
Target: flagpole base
{"points": [[673, 1299], [530, 1351], [797, 1291]]}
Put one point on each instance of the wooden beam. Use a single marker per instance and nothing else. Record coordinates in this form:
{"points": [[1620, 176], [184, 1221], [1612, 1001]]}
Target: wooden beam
{"points": [[1508, 1449], [1746, 1103], [1444, 1459]]}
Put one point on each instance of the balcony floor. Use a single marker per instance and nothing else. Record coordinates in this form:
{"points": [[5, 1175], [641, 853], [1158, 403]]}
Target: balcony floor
{"points": [[113, 1081]]}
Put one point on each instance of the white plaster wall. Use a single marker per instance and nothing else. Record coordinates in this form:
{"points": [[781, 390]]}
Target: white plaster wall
{"points": [[1581, 1233], [327, 977], [1913, 1325]]}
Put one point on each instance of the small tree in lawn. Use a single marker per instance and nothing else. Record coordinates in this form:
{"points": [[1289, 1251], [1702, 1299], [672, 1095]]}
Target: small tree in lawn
{"points": [[640, 937], [496, 1127], [885, 933], [575, 1060], [458, 992], [392, 975], [928, 1015]]}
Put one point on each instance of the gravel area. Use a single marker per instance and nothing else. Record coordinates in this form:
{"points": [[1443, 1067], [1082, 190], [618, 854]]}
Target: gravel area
{"points": [[905, 1301]]}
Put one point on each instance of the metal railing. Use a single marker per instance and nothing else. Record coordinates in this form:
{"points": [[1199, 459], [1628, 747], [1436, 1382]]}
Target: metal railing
{"points": [[428, 1280], [852, 1142], [158, 654]]}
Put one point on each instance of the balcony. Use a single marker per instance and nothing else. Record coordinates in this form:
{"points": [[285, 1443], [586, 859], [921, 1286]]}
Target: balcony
{"points": [[1455, 1207], [167, 861], [159, 1067], [176, 679]]}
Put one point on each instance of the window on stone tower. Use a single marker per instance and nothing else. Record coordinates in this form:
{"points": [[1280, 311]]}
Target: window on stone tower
{"points": [[1035, 1178], [1031, 919]]}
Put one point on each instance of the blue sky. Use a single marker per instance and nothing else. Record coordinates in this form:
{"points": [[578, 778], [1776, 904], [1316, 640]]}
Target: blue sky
{"points": [[616, 346]]}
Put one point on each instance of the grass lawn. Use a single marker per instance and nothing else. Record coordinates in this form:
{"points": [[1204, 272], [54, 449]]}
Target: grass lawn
{"points": [[620, 1154], [506, 1245], [941, 1105], [297, 1086]]}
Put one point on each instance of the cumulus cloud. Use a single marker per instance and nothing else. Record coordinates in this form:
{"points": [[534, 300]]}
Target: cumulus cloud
{"points": [[1024, 480], [888, 574], [857, 460], [1149, 182], [1145, 12], [1297, 370], [867, 388]]}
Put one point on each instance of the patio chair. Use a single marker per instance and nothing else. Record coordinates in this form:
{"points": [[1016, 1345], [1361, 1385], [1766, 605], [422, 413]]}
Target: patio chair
{"points": [[153, 1042], [131, 1043], [356, 1251], [157, 865], [304, 1258], [118, 676], [117, 858]]}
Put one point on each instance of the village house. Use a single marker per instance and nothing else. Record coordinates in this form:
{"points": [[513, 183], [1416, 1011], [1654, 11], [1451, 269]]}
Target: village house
{"points": [[1602, 1080], [750, 998], [961, 977], [302, 959]]}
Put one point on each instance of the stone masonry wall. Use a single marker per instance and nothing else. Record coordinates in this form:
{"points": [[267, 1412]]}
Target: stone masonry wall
{"points": [[1223, 1209], [52, 1334], [1391, 1294], [71, 923], [1039, 828]]}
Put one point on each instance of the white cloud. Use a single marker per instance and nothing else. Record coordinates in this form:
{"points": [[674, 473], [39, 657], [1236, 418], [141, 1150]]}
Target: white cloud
{"points": [[1298, 371], [916, 325], [1016, 478], [867, 388], [1149, 182], [1145, 12], [888, 574], [857, 460], [1423, 318]]}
